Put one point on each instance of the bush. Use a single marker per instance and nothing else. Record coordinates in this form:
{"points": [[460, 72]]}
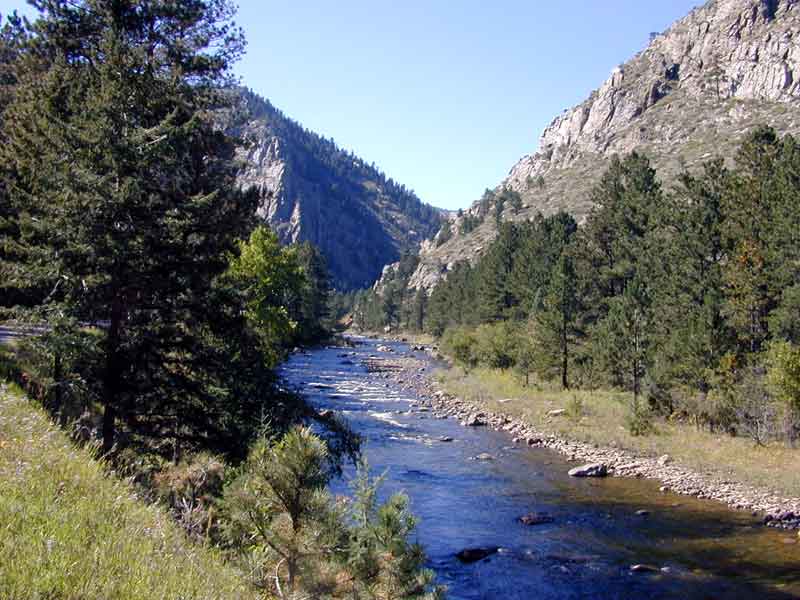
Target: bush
{"points": [[279, 515], [639, 420], [497, 344], [576, 408], [293, 537], [191, 489], [461, 344], [783, 376]]}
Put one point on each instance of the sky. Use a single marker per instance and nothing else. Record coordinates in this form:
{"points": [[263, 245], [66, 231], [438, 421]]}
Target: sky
{"points": [[443, 95]]}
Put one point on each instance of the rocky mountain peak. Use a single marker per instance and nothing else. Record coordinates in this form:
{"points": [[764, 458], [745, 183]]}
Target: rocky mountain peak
{"points": [[692, 93]]}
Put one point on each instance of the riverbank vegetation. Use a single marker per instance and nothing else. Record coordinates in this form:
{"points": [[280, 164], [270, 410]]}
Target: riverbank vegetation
{"points": [[601, 417], [681, 295], [161, 309]]}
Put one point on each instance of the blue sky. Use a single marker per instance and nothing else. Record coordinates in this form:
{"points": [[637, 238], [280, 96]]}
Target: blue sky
{"points": [[444, 96]]}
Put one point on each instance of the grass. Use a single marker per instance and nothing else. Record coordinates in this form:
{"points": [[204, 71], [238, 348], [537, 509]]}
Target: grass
{"points": [[602, 422], [69, 530]]}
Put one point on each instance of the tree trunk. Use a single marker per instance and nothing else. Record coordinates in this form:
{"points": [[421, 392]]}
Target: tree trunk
{"points": [[111, 377], [564, 356], [58, 395]]}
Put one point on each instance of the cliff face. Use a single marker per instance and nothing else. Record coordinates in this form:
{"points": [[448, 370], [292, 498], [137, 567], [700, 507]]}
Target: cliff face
{"points": [[311, 190], [690, 95]]}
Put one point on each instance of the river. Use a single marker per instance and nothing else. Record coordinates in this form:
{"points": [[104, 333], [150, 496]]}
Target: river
{"points": [[696, 548]]}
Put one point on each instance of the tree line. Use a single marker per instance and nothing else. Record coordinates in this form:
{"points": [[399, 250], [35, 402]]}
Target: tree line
{"points": [[686, 293]]}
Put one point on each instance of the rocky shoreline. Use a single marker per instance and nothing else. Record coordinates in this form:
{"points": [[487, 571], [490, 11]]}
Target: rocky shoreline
{"points": [[413, 374]]}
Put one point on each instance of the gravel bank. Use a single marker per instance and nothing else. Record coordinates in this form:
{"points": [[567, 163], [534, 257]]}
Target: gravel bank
{"points": [[413, 374]]}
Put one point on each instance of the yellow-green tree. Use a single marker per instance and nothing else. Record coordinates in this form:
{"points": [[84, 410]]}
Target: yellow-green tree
{"points": [[269, 276]]}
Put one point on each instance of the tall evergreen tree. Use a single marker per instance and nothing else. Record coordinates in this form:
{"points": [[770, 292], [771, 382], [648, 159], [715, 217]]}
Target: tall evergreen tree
{"points": [[124, 193], [557, 322]]}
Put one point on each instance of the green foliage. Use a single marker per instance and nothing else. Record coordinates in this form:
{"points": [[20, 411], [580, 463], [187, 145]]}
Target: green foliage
{"points": [[461, 344], [295, 538], [268, 276], [671, 296], [115, 168], [783, 373], [383, 564], [496, 344], [279, 513], [783, 377], [639, 420], [557, 321]]}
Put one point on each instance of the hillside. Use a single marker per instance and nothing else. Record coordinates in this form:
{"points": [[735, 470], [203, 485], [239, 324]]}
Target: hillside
{"points": [[691, 94], [312, 190], [72, 531]]}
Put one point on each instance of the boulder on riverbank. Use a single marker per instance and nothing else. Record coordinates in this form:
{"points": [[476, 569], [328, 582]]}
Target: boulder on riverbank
{"points": [[590, 470], [475, 420]]}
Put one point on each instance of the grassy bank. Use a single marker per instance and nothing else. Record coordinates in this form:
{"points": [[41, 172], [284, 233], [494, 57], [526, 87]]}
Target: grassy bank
{"points": [[68, 530], [599, 417]]}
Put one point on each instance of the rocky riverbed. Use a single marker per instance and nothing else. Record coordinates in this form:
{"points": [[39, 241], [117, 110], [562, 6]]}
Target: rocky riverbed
{"points": [[414, 374]]}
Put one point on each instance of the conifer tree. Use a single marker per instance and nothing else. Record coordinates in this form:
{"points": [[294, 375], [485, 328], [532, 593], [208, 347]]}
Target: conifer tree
{"points": [[122, 185], [556, 324]]}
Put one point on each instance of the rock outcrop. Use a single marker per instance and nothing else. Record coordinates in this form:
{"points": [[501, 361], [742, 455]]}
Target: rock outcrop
{"points": [[311, 190], [693, 93]]}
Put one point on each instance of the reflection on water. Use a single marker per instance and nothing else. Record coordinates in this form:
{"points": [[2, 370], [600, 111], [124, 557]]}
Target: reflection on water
{"points": [[689, 548]]}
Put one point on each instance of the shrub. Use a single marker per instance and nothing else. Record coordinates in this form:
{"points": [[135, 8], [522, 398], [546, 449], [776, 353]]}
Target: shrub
{"points": [[461, 344], [496, 344], [783, 376], [191, 489], [279, 515], [293, 537], [576, 408], [639, 420]]}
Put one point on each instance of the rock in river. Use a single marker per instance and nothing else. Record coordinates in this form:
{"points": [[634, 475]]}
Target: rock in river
{"points": [[535, 519], [471, 555], [590, 470]]}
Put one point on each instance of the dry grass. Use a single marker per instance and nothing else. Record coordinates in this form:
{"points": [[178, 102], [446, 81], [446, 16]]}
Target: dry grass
{"points": [[774, 467], [69, 530]]}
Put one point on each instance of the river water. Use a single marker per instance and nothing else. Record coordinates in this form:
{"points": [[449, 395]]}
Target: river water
{"points": [[698, 548]]}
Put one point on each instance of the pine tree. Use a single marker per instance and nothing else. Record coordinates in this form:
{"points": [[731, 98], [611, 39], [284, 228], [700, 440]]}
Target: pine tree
{"points": [[123, 189], [312, 311], [750, 207], [688, 284], [418, 310], [556, 324]]}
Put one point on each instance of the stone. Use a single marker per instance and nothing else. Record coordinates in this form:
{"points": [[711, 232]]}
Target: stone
{"points": [[536, 518], [589, 470], [484, 456], [556, 412], [471, 555], [475, 420], [664, 460], [643, 568]]}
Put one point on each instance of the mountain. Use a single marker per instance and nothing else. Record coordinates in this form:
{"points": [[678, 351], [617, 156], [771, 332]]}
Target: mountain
{"points": [[312, 190], [691, 94]]}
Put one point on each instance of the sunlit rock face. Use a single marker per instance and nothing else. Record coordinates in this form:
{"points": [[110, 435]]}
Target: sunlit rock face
{"points": [[691, 94]]}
